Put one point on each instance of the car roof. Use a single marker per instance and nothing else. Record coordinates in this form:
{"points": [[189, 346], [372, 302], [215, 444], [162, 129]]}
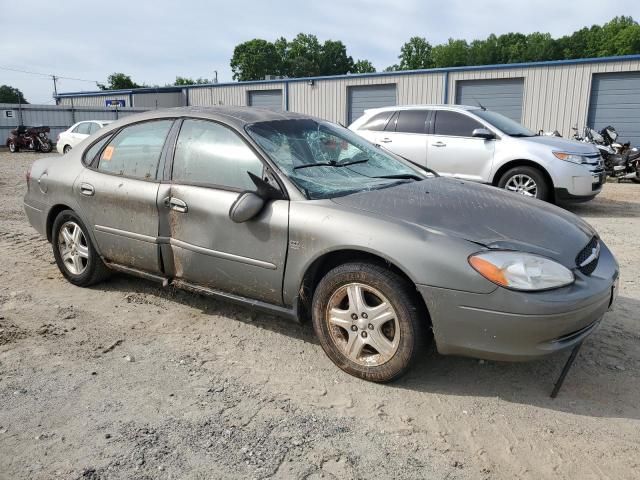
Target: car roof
{"points": [[440, 106], [236, 116]]}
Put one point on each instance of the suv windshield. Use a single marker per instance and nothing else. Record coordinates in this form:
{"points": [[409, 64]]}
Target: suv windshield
{"points": [[327, 161], [504, 124]]}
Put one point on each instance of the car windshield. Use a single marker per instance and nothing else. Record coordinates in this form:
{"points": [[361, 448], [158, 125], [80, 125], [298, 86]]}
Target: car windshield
{"points": [[327, 161], [504, 124]]}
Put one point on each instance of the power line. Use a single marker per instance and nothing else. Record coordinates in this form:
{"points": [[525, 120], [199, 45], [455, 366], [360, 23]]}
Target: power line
{"points": [[50, 75]]}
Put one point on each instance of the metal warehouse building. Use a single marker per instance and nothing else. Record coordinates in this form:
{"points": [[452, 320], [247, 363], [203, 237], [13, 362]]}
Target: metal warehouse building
{"points": [[542, 95]]}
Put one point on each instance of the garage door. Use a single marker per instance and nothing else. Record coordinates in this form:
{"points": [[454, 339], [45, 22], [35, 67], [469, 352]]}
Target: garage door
{"points": [[370, 96], [269, 99], [615, 100], [503, 96]]}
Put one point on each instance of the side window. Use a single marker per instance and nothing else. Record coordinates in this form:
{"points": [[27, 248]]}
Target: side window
{"points": [[412, 121], [84, 128], [455, 124], [391, 125], [90, 155], [211, 154], [135, 151], [93, 127], [377, 122]]}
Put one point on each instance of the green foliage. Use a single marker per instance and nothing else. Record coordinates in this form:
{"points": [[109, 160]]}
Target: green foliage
{"points": [[180, 81], [118, 81], [304, 56], [620, 36], [10, 94], [363, 66]]}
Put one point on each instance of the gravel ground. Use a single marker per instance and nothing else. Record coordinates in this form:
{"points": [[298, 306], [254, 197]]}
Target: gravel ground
{"points": [[130, 380]]}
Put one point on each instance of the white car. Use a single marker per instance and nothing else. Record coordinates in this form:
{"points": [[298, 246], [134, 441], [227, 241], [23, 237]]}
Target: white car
{"points": [[472, 143], [78, 132]]}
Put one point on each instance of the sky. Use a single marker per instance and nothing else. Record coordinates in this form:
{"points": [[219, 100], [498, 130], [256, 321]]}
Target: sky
{"points": [[155, 41]]}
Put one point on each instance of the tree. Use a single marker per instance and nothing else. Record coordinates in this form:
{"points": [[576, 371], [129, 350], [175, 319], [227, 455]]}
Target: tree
{"points": [[254, 60], [118, 81], [304, 56], [415, 54], [454, 53], [363, 66], [334, 59], [10, 94], [180, 81]]}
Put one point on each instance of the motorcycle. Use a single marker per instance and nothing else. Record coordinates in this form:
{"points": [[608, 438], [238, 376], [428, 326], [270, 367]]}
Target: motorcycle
{"points": [[29, 138], [621, 161]]}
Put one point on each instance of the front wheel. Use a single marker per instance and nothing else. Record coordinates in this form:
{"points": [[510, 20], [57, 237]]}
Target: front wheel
{"points": [[66, 149], [368, 321], [527, 181], [46, 146], [75, 255], [13, 147]]}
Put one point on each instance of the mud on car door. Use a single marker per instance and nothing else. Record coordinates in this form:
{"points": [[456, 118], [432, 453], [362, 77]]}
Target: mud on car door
{"points": [[205, 247]]}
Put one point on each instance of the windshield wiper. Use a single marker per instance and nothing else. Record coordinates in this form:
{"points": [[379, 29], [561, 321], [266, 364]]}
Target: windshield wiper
{"points": [[519, 135], [402, 176], [331, 163]]}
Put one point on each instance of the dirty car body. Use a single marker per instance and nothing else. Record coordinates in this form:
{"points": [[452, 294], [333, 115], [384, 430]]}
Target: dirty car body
{"points": [[303, 218]]}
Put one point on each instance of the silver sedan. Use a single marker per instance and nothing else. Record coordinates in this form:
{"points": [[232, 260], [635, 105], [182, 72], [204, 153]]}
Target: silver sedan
{"points": [[303, 218]]}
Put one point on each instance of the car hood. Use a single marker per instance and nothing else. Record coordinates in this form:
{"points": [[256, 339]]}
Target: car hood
{"points": [[481, 214], [562, 144]]}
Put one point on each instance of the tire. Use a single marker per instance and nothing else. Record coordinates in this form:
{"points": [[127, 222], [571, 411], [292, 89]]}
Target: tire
{"points": [[46, 147], [13, 148], [66, 149], [527, 181], [403, 325], [77, 260]]}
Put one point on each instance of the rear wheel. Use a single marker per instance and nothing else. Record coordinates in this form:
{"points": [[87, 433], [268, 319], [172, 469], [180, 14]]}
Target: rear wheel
{"points": [[527, 181], [13, 147], [66, 149], [368, 321], [75, 255]]}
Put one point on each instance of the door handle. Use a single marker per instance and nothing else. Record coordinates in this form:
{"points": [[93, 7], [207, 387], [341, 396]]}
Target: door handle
{"points": [[385, 140], [87, 189], [176, 204], [439, 144]]}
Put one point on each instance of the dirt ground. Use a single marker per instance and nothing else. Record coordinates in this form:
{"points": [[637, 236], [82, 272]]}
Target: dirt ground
{"points": [[130, 380]]}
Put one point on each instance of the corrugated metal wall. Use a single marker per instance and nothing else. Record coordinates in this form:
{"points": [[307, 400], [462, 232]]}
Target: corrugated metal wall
{"points": [[328, 98], [555, 97], [159, 100], [92, 101]]}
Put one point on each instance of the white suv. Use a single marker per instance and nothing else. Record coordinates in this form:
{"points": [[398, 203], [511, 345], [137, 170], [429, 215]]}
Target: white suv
{"points": [[77, 133], [476, 144]]}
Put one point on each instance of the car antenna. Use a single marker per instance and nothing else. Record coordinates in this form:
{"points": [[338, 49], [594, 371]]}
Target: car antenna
{"points": [[480, 105]]}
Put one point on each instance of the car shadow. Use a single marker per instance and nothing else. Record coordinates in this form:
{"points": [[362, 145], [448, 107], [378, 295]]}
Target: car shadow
{"points": [[600, 384], [604, 207]]}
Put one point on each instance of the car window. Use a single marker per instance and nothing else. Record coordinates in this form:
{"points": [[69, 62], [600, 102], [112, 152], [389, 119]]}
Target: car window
{"points": [[455, 124], [412, 121], [135, 151], [391, 124], [83, 128], [93, 127], [377, 122], [211, 154], [90, 154]]}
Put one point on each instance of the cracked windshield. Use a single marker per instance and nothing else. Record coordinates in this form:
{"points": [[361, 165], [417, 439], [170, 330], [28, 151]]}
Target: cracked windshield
{"points": [[326, 161]]}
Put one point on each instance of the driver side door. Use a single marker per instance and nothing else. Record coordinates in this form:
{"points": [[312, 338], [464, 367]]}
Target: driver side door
{"points": [[205, 247]]}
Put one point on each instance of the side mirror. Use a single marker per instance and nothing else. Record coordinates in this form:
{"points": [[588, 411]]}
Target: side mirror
{"points": [[483, 133], [246, 207]]}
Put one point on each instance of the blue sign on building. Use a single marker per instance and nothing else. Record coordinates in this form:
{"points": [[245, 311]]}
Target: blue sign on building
{"points": [[114, 103]]}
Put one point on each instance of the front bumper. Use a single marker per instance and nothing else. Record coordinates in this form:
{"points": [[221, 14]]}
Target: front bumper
{"points": [[514, 326], [578, 182]]}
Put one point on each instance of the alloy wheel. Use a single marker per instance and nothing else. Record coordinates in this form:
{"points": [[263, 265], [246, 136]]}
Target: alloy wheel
{"points": [[73, 247], [522, 184], [363, 324]]}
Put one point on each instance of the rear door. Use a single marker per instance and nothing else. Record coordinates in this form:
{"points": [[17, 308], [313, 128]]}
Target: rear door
{"points": [[206, 247], [405, 134], [452, 151], [117, 194]]}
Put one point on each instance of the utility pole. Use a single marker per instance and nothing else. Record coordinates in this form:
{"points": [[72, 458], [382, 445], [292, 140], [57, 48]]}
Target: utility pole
{"points": [[55, 86], [215, 79]]}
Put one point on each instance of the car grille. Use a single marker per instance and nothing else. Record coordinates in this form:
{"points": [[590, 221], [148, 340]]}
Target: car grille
{"points": [[589, 254]]}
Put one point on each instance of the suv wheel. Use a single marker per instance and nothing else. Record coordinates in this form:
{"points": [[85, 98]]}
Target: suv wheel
{"points": [[368, 322], [75, 255], [66, 149], [527, 181]]}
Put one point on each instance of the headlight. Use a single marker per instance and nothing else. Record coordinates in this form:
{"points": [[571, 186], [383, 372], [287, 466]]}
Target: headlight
{"points": [[521, 271], [570, 157]]}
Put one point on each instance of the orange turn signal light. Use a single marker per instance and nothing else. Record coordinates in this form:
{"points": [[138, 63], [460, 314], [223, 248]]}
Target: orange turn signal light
{"points": [[489, 271]]}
